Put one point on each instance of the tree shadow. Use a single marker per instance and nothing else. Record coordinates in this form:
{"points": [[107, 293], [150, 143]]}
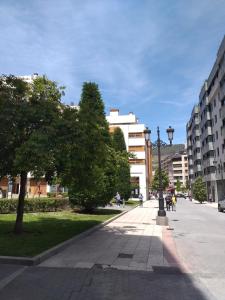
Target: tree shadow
{"points": [[110, 253]]}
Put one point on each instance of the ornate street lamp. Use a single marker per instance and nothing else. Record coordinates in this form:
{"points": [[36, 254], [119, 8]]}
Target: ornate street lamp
{"points": [[161, 218], [147, 133], [170, 132]]}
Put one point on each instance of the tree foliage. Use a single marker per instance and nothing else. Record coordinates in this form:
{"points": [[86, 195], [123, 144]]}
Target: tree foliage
{"points": [[118, 140], [123, 185], [199, 190], [92, 178], [178, 185], [155, 182], [28, 114]]}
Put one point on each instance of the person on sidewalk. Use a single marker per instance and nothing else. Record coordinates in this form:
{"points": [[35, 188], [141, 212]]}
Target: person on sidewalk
{"points": [[118, 199], [168, 201], [174, 201], [141, 200]]}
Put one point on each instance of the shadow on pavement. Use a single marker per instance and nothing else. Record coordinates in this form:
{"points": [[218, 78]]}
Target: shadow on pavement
{"points": [[167, 279]]}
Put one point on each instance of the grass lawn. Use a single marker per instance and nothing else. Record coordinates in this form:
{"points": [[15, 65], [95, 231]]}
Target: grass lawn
{"points": [[132, 202], [45, 230]]}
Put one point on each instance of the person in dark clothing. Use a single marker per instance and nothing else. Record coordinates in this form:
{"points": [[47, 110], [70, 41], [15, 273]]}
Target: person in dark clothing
{"points": [[168, 202]]}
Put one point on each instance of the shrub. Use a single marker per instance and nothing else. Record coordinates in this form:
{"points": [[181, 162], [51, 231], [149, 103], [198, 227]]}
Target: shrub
{"points": [[53, 195], [199, 190], [34, 205]]}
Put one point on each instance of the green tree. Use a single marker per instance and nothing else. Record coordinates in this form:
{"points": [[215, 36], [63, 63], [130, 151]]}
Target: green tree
{"points": [[123, 185], [187, 185], [199, 190], [28, 113], [178, 185], [94, 162], [155, 181], [118, 140]]}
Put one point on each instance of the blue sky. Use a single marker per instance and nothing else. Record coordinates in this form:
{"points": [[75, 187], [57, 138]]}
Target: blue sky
{"points": [[149, 57]]}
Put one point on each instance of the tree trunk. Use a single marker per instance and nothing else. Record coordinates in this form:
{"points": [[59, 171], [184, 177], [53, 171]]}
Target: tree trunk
{"points": [[18, 229]]}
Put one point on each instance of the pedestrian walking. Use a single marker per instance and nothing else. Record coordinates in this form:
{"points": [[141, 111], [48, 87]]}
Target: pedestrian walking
{"points": [[118, 199], [174, 201], [168, 201], [141, 200]]}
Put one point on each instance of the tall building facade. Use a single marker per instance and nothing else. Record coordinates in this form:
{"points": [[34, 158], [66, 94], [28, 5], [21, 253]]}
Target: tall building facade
{"points": [[141, 164], [209, 144], [194, 145]]}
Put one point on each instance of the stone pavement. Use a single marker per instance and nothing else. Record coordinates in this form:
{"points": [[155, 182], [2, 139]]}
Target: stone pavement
{"points": [[131, 242], [129, 259], [210, 204]]}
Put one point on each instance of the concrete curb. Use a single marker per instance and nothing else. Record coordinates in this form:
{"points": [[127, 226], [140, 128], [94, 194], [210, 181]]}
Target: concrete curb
{"points": [[36, 260]]}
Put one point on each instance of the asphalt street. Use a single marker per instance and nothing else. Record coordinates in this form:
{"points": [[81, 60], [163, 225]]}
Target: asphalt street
{"points": [[199, 233]]}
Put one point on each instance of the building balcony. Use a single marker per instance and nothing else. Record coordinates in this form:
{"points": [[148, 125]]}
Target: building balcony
{"points": [[223, 112], [210, 177], [190, 152], [190, 162], [191, 171], [208, 147], [223, 132]]}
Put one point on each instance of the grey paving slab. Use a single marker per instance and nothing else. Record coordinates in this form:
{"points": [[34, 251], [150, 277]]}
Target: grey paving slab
{"points": [[133, 233], [45, 283]]}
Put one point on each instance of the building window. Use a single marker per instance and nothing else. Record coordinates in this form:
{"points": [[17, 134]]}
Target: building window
{"points": [[136, 134]]}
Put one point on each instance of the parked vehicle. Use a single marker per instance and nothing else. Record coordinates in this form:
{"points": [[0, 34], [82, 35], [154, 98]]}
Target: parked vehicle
{"points": [[181, 195], [221, 205]]}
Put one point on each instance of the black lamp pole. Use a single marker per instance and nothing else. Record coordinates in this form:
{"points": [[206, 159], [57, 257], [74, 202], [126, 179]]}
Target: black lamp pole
{"points": [[161, 211], [161, 218]]}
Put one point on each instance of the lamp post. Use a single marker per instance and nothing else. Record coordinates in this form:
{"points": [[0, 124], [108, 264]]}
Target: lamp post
{"points": [[161, 218], [147, 133]]}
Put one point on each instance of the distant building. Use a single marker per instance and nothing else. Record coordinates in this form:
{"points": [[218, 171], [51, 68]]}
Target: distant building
{"points": [[141, 165], [29, 78], [176, 166], [194, 145]]}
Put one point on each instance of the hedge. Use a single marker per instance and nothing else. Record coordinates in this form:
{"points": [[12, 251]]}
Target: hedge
{"points": [[54, 194], [34, 205]]}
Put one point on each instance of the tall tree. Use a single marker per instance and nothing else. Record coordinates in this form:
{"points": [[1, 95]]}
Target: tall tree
{"points": [[91, 174], [28, 113], [123, 185], [155, 182], [199, 190], [178, 185]]}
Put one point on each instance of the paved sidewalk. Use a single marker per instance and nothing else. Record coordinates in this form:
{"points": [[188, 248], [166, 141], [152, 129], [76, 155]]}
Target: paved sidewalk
{"points": [[210, 204], [131, 242]]}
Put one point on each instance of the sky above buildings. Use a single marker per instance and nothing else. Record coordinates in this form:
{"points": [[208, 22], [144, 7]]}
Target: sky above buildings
{"points": [[149, 57]]}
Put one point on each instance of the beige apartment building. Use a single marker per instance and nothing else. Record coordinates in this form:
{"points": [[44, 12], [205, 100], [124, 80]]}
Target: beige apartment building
{"points": [[176, 166]]}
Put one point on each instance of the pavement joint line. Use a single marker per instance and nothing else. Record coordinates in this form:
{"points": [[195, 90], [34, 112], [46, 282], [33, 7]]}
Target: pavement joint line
{"points": [[11, 277], [36, 260]]}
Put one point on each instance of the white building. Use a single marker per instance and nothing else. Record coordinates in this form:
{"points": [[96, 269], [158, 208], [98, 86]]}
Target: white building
{"points": [[28, 78], [141, 165]]}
